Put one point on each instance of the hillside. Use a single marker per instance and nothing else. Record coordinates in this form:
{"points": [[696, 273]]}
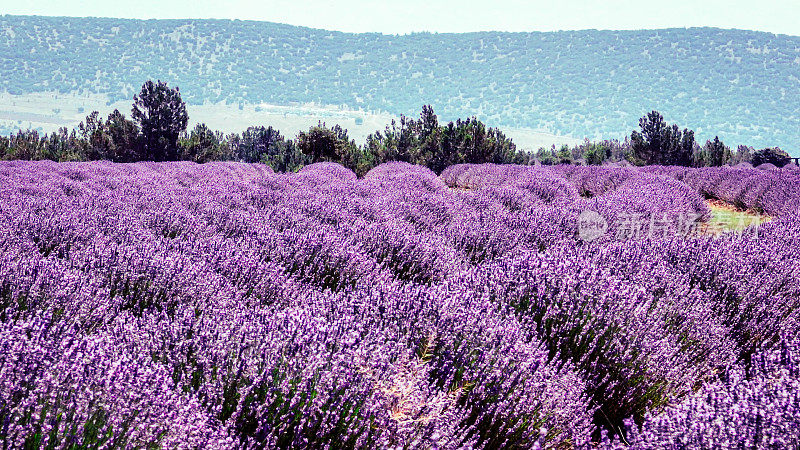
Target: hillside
{"points": [[742, 85]]}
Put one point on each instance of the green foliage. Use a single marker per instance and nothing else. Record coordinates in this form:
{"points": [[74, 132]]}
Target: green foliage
{"points": [[772, 155], [26, 145], [658, 143], [161, 115], [596, 153], [98, 143], [62, 145], [564, 155], [65, 146], [589, 153], [395, 142], [423, 141], [204, 145], [266, 145], [688, 71], [744, 154], [257, 144], [547, 156], [124, 134], [780, 157], [714, 154], [321, 143], [116, 139], [437, 147]]}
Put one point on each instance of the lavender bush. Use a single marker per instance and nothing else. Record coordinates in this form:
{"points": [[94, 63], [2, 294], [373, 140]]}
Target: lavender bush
{"points": [[753, 405], [223, 305]]}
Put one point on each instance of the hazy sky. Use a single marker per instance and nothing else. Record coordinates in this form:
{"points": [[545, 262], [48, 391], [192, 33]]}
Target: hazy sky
{"points": [[404, 16]]}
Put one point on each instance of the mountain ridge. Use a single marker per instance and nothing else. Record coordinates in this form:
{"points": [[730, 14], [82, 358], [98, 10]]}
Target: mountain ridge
{"points": [[288, 25], [739, 84]]}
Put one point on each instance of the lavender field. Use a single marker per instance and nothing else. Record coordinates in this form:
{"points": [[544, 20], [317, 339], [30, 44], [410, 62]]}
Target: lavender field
{"points": [[177, 305]]}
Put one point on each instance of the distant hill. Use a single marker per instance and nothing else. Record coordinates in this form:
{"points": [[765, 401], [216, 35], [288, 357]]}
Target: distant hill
{"points": [[742, 85]]}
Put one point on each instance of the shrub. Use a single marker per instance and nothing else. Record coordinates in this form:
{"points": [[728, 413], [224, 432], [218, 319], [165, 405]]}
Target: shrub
{"points": [[772, 155]]}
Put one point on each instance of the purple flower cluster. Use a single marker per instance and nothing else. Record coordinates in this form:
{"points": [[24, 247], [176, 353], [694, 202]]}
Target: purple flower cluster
{"points": [[224, 305], [772, 192], [631, 203], [753, 405]]}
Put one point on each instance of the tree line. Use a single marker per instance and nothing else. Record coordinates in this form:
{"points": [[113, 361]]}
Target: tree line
{"points": [[157, 131], [657, 143], [662, 144]]}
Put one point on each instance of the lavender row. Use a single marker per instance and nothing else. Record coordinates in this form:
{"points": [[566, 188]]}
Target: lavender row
{"points": [[245, 308], [624, 201], [752, 405], [771, 192]]}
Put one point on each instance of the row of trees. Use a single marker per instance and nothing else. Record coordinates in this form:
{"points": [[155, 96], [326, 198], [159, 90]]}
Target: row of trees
{"points": [[659, 143], [159, 120], [157, 132], [426, 142], [588, 153], [422, 141]]}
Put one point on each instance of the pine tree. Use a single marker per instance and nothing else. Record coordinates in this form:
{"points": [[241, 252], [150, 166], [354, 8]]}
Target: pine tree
{"points": [[125, 136], [659, 143], [161, 115], [647, 145], [716, 153]]}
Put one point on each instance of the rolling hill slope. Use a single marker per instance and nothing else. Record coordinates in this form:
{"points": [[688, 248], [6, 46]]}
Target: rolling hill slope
{"points": [[742, 85]]}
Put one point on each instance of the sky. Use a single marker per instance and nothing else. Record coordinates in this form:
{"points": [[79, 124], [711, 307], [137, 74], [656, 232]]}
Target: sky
{"points": [[405, 16]]}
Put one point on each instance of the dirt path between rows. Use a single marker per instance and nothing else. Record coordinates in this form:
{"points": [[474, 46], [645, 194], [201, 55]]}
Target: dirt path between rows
{"points": [[726, 218]]}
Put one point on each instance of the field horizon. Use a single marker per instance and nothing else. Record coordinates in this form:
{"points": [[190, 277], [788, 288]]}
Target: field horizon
{"points": [[537, 82], [49, 111]]}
